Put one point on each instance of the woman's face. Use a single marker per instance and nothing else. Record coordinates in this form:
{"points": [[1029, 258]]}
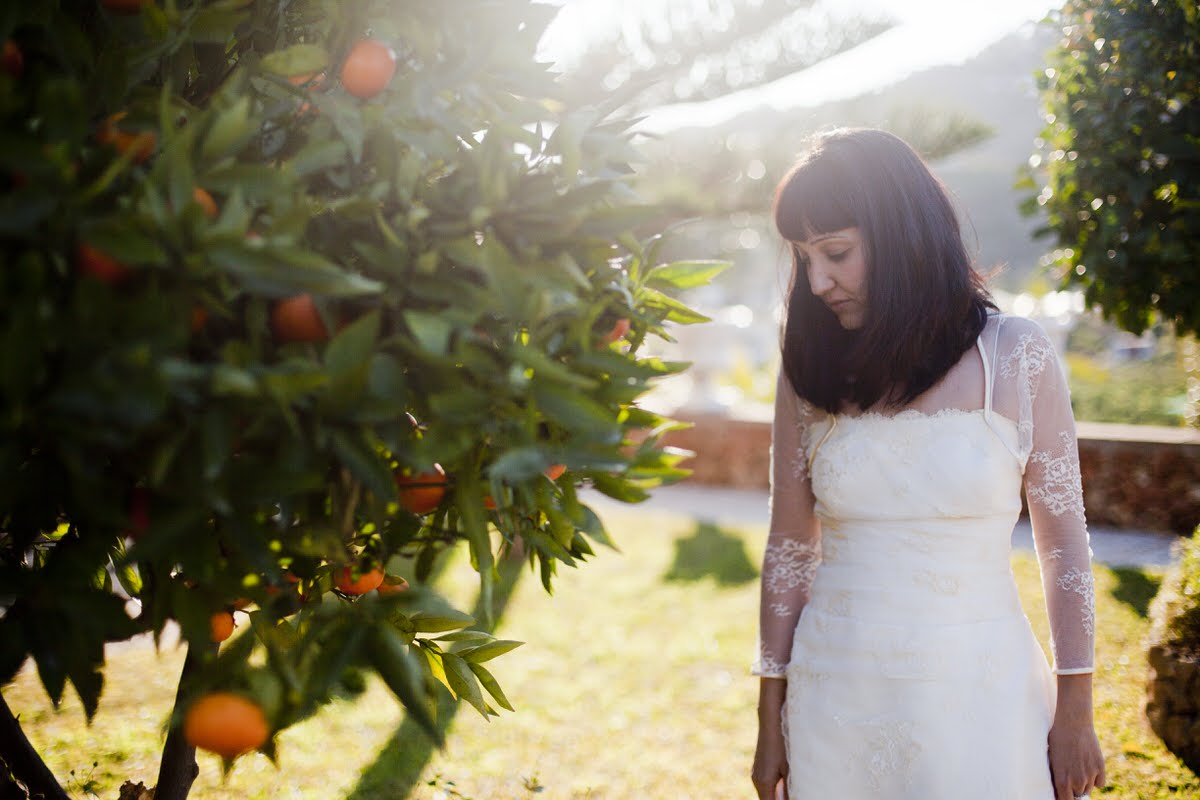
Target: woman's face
{"points": [[837, 273]]}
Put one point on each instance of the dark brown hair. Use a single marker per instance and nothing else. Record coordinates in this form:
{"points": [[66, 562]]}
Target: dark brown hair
{"points": [[926, 304]]}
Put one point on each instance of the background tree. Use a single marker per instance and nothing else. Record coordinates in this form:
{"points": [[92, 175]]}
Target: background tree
{"points": [[1119, 159], [295, 297]]}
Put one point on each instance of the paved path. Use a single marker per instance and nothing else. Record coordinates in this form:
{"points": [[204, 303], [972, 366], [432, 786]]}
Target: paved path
{"points": [[1112, 546]]}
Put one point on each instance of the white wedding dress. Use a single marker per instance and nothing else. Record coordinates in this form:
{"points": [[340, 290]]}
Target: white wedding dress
{"points": [[888, 600]]}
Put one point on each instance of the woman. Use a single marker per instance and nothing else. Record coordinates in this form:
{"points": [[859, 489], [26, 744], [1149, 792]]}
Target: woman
{"points": [[909, 413]]}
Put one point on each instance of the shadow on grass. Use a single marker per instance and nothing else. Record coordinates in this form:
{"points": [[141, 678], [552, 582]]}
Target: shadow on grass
{"points": [[711, 551], [397, 768], [1135, 588]]}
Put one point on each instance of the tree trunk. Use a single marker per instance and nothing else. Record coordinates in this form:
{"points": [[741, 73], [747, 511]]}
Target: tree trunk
{"points": [[23, 773], [178, 769]]}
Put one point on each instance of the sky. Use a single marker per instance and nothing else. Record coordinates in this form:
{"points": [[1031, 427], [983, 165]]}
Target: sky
{"points": [[928, 33]]}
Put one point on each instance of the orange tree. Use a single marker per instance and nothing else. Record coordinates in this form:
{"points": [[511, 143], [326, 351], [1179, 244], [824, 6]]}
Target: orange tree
{"points": [[293, 292]]}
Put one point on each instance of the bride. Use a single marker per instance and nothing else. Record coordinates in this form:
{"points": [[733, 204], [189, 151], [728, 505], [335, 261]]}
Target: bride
{"points": [[896, 659]]}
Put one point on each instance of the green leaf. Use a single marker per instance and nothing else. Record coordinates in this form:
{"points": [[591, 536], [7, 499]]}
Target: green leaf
{"points": [[518, 464], [298, 59], [490, 684], [486, 652], [281, 272], [357, 454], [448, 619], [463, 682], [676, 311], [575, 410], [432, 331], [398, 667], [685, 274], [465, 636], [546, 367], [230, 131], [352, 347], [469, 496]]}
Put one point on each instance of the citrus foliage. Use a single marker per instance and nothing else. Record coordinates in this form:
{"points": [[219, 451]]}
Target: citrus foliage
{"points": [[273, 269], [1122, 158]]}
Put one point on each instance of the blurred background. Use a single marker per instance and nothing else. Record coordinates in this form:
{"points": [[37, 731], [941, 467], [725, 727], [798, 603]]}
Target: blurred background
{"points": [[729, 90]]}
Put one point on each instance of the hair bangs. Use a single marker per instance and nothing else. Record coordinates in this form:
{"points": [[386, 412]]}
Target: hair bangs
{"points": [[813, 199]]}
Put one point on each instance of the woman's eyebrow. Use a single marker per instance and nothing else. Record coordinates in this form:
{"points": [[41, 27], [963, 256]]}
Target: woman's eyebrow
{"points": [[824, 237]]}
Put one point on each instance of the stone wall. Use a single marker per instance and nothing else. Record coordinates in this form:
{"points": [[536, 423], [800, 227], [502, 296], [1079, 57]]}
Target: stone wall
{"points": [[1134, 476]]}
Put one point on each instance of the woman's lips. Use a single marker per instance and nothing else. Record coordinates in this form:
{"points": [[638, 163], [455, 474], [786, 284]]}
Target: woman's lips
{"points": [[838, 305]]}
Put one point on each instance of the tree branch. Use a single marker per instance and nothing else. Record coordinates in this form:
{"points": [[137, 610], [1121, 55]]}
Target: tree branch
{"points": [[178, 769], [23, 774]]}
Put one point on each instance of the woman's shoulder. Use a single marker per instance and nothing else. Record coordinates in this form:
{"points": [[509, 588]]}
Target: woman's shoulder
{"points": [[1012, 329], [1022, 345]]}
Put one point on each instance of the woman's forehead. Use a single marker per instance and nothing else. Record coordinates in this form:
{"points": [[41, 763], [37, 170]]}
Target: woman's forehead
{"points": [[812, 237]]}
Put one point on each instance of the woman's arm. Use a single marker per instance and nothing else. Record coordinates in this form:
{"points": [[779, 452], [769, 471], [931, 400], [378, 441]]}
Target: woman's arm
{"points": [[792, 553], [1055, 493]]}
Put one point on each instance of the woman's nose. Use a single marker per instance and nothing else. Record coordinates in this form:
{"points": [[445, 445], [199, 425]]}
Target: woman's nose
{"points": [[818, 280]]}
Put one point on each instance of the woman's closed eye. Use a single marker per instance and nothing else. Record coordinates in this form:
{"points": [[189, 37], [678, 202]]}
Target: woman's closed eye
{"points": [[835, 257]]}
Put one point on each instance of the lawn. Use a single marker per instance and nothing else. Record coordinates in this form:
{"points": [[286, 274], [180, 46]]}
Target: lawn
{"points": [[634, 682]]}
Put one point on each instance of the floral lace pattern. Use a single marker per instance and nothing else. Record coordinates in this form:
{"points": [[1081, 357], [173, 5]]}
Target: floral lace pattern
{"points": [[767, 666], [1059, 486], [1082, 583], [887, 751], [790, 564], [1026, 362]]}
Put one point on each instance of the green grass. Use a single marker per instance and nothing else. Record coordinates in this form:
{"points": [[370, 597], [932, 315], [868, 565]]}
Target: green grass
{"points": [[633, 683]]}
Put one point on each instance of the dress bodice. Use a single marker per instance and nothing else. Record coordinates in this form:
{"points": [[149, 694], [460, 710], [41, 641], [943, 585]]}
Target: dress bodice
{"points": [[864, 500]]}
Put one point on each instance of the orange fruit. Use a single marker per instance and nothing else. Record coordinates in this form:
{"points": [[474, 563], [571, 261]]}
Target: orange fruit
{"points": [[91, 261], [296, 319], [226, 724], [222, 625], [488, 502], [392, 584], [369, 68], [240, 603], [422, 493], [143, 144], [618, 330], [199, 318], [555, 471], [205, 201], [13, 60], [346, 584]]}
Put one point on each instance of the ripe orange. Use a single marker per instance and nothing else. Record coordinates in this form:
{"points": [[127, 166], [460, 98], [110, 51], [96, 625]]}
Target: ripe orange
{"points": [[222, 625], [296, 319], [205, 201], [226, 724], [13, 60], [422, 493], [392, 584], [346, 584], [91, 261], [369, 68], [555, 471], [619, 329], [143, 144], [488, 502]]}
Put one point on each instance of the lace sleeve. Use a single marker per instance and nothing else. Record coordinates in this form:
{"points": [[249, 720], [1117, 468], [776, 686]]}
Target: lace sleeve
{"points": [[1055, 494], [793, 547]]}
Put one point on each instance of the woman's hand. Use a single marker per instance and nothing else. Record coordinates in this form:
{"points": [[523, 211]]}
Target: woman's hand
{"points": [[1076, 763], [770, 769], [770, 764]]}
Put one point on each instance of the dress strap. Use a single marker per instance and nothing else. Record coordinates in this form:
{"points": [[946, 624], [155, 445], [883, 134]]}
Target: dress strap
{"points": [[987, 379]]}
